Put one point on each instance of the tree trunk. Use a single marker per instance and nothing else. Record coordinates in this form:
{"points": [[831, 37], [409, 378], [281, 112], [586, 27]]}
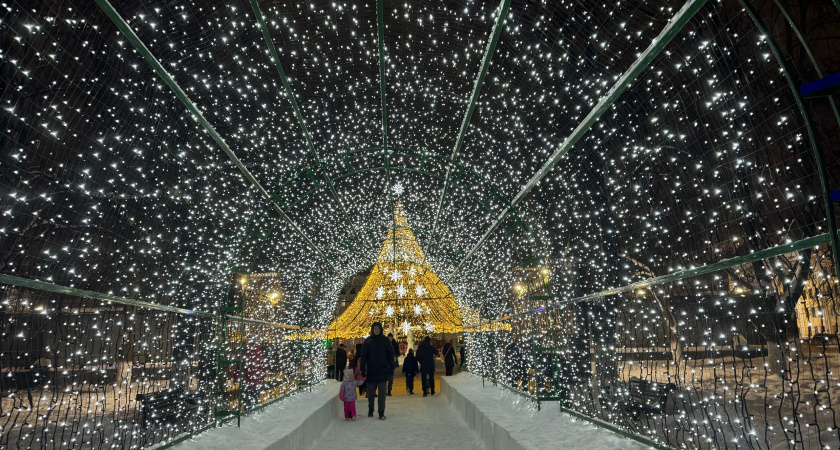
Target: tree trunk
{"points": [[776, 359]]}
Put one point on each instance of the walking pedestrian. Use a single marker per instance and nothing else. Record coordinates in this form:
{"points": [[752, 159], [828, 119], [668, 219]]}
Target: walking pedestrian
{"points": [[449, 358], [377, 366], [396, 346], [330, 362], [410, 368], [426, 357], [347, 394], [340, 362]]}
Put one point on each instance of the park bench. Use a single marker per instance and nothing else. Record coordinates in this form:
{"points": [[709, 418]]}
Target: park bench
{"points": [[167, 405], [648, 397]]}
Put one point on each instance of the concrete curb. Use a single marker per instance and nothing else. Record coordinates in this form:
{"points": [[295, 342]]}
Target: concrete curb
{"points": [[291, 424], [493, 435]]}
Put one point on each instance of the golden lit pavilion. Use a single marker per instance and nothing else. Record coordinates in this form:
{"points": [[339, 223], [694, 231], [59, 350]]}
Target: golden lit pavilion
{"points": [[402, 292]]}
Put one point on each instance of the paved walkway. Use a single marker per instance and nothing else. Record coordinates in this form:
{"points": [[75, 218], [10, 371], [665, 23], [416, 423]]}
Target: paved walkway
{"points": [[414, 422]]}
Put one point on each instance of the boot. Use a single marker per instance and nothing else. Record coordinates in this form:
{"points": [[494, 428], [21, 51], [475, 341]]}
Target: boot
{"points": [[370, 412], [425, 393], [381, 416], [389, 393]]}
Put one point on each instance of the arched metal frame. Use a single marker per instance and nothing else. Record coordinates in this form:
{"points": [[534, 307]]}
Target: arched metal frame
{"points": [[276, 196], [806, 117], [282, 201]]}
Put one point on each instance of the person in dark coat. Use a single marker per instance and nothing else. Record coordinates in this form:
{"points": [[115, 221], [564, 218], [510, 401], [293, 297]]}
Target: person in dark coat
{"points": [[396, 346], [463, 351], [340, 362], [377, 366], [358, 365], [449, 358], [254, 372], [426, 357], [410, 368]]}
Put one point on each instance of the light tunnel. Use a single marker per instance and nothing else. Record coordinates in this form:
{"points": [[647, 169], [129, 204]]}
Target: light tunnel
{"points": [[622, 211]]}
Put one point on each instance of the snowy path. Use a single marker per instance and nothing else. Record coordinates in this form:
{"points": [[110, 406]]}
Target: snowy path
{"points": [[413, 422]]}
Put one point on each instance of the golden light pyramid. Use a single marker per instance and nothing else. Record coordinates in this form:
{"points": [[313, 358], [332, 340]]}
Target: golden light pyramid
{"points": [[402, 292]]}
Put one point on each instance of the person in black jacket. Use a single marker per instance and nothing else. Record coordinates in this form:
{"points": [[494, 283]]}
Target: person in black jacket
{"points": [[410, 369], [449, 358], [396, 346], [377, 366], [340, 362], [426, 357]]}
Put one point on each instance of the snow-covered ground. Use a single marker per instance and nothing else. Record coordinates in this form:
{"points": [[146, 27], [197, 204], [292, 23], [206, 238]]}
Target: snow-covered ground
{"points": [[532, 429], [413, 422], [311, 420]]}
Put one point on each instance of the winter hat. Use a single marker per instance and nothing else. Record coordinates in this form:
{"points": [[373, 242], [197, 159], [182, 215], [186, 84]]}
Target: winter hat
{"points": [[410, 352], [348, 374], [427, 339], [376, 324]]}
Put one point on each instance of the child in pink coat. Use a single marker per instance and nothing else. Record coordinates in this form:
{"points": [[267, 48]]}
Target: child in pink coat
{"points": [[347, 393]]}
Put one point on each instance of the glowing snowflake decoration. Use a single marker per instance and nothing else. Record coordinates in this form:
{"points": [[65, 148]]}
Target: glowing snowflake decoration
{"points": [[401, 290], [380, 292], [398, 189], [389, 311], [395, 276], [417, 310], [420, 290]]}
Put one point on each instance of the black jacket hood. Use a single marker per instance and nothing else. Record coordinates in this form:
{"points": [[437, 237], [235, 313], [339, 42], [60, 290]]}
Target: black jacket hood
{"points": [[379, 324]]}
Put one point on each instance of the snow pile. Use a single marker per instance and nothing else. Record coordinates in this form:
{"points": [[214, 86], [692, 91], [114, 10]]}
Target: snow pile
{"points": [[504, 419], [293, 423]]}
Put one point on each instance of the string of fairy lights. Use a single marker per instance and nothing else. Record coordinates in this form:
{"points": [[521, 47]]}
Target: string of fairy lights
{"points": [[112, 185]]}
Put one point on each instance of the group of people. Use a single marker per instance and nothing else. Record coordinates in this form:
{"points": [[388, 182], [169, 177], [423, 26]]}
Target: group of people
{"points": [[372, 370]]}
